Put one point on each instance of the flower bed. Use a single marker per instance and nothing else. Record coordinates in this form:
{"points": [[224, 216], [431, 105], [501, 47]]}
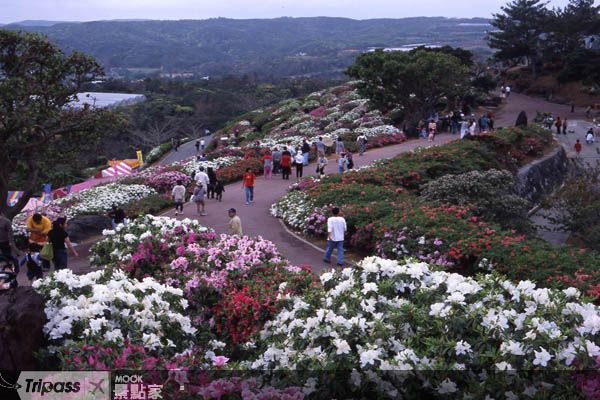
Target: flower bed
{"points": [[218, 274], [386, 216], [338, 111], [401, 328]]}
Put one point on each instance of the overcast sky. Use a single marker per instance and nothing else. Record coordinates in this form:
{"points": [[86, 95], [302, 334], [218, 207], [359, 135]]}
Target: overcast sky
{"points": [[89, 10]]}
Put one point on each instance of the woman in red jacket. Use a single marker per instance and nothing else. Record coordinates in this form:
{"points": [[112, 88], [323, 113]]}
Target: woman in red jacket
{"points": [[286, 165]]}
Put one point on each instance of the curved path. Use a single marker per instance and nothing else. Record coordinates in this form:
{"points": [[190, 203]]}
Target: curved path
{"points": [[256, 218]]}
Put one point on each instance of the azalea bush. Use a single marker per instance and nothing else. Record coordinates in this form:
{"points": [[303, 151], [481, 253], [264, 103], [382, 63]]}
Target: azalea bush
{"points": [[489, 194], [232, 283], [402, 328], [107, 306]]}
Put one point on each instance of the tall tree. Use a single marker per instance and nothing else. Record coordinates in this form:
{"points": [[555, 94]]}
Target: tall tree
{"points": [[520, 30], [570, 25], [38, 129], [416, 81]]}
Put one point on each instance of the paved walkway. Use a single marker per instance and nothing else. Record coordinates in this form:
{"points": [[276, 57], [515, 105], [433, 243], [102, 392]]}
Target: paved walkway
{"points": [[577, 128], [256, 218], [185, 151]]}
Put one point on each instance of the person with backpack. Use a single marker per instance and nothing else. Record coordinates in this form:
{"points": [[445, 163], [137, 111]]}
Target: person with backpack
{"points": [[267, 161], [361, 140], [178, 194], [59, 238]]}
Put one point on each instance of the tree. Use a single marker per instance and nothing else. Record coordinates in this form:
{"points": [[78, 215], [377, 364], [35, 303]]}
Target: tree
{"points": [[38, 129], [575, 207], [156, 134], [520, 30], [570, 25], [416, 81]]}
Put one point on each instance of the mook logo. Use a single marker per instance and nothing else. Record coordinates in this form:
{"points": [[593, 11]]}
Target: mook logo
{"points": [[63, 385], [132, 387]]}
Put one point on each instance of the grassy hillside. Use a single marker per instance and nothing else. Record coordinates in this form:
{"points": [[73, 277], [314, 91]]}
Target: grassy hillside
{"points": [[283, 46]]}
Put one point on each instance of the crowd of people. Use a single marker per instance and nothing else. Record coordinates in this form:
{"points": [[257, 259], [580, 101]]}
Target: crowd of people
{"points": [[47, 245]]}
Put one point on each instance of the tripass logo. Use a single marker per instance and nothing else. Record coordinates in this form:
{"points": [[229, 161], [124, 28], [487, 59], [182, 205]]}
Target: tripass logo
{"points": [[63, 385]]}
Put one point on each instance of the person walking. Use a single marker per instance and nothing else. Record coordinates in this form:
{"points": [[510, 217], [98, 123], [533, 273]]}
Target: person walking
{"points": [[198, 198], [203, 178], [342, 162], [320, 145], [339, 145], [507, 89], [349, 160], [361, 141], [212, 178], [59, 238], [235, 223], [267, 161], [286, 165], [577, 149], [473, 128], [248, 185], [276, 161], [299, 163], [202, 144], [336, 230], [558, 125], [564, 126], [178, 194], [219, 189], [321, 164], [431, 128], [305, 152], [464, 128], [197, 145]]}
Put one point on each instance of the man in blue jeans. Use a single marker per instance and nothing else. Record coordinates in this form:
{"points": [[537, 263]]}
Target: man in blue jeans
{"points": [[336, 230], [248, 185]]}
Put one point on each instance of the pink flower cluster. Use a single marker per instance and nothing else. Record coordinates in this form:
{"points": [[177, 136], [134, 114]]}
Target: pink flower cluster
{"points": [[163, 180], [247, 389]]}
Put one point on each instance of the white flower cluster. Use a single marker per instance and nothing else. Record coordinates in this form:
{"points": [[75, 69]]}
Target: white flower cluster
{"points": [[387, 315], [107, 305], [294, 208], [192, 165], [99, 199]]}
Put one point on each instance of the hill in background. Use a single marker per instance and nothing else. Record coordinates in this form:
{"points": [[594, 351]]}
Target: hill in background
{"points": [[278, 47]]}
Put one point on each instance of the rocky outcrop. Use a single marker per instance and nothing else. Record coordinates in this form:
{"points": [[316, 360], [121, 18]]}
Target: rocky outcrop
{"points": [[539, 178], [87, 226], [22, 319]]}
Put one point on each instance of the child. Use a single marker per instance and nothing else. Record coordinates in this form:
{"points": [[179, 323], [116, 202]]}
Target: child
{"points": [[34, 263], [321, 165], [178, 194], [8, 278], [342, 162], [219, 189]]}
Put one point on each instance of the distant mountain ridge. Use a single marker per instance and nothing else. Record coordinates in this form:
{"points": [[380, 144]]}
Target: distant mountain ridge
{"points": [[280, 47]]}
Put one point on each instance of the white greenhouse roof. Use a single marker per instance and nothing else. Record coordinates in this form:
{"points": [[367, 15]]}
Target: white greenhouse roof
{"points": [[106, 100]]}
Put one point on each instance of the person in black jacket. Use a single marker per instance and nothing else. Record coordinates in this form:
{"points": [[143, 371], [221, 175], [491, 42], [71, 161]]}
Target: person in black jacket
{"points": [[305, 151], [219, 189], [212, 179]]}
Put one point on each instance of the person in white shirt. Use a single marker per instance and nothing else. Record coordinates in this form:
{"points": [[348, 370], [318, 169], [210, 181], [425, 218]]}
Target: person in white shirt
{"points": [[336, 230], [179, 196], [473, 128], [361, 140], [202, 177], [507, 90], [202, 144]]}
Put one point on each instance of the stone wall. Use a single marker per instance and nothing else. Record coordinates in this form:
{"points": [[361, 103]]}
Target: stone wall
{"points": [[540, 178]]}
